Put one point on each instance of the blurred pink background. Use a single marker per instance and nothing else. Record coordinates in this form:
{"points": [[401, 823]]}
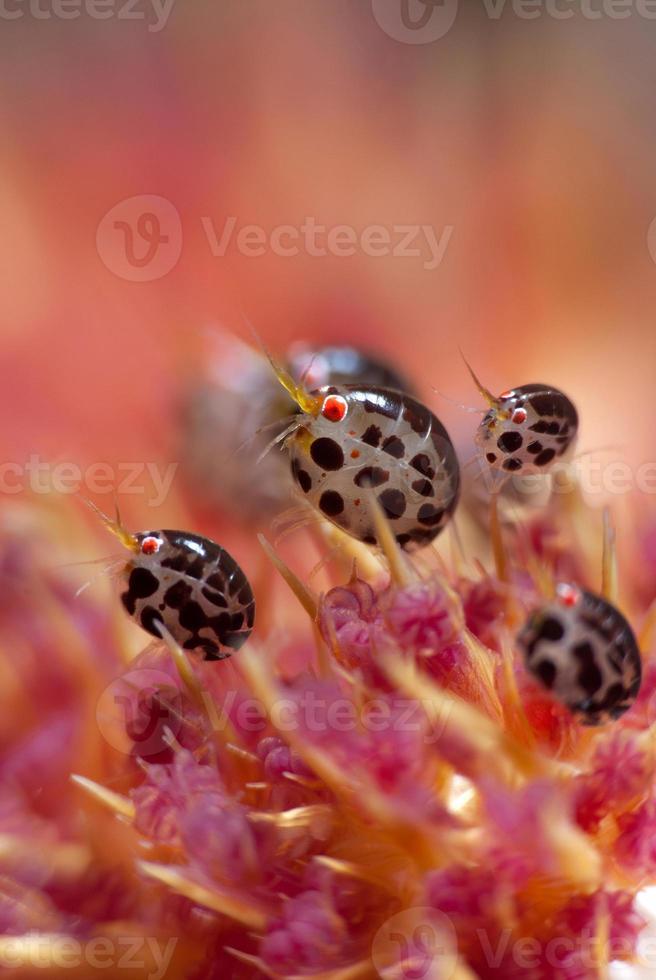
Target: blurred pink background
{"points": [[532, 139]]}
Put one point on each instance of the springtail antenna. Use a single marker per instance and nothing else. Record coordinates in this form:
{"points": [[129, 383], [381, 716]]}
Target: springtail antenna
{"points": [[310, 404], [115, 527], [492, 401]]}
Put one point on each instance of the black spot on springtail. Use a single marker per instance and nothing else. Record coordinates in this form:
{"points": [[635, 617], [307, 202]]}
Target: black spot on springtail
{"points": [[142, 583], [589, 676], [371, 476], [372, 436], [193, 616], [545, 457], [424, 488], [547, 672], [394, 447], [331, 503], [510, 441], [429, 515], [422, 463], [148, 619], [301, 476], [393, 503], [417, 417], [551, 629], [327, 453], [304, 480], [179, 593], [216, 598]]}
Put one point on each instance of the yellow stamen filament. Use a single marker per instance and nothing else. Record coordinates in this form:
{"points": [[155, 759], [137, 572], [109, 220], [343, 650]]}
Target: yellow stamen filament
{"points": [[113, 801], [243, 910], [303, 594], [400, 568]]}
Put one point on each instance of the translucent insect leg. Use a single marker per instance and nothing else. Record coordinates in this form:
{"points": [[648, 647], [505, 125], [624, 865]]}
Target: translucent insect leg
{"points": [[293, 520], [452, 401], [281, 437], [253, 436], [108, 570]]}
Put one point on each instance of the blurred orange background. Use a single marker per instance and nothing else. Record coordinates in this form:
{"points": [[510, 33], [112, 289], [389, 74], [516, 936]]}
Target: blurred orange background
{"points": [[531, 139]]}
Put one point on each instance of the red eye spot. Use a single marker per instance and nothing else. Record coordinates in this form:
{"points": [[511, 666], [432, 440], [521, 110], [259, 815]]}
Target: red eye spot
{"points": [[149, 546], [519, 416], [355, 453], [568, 595], [334, 408]]}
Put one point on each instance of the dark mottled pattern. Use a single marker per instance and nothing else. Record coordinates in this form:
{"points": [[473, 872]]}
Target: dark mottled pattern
{"points": [[423, 487], [178, 594], [372, 436], [389, 441], [422, 463], [393, 446], [512, 465], [148, 618], [384, 404], [202, 595], [418, 417], [587, 655]]}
